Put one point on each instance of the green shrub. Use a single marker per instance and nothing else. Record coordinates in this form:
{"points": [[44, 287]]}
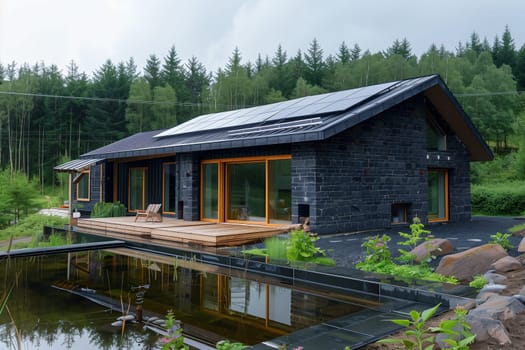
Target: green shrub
{"points": [[506, 198], [478, 282], [105, 210], [502, 239], [32, 225]]}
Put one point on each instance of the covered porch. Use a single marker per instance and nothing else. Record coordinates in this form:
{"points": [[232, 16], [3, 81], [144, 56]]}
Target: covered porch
{"points": [[180, 231]]}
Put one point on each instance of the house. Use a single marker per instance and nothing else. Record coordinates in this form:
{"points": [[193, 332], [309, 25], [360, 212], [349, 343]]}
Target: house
{"points": [[365, 158]]}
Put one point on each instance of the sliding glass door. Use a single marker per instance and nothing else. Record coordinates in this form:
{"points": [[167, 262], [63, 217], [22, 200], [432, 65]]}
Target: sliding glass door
{"points": [[247, 189]]}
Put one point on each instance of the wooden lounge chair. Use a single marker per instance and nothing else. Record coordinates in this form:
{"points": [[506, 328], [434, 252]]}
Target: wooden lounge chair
{"points": [[151, 213]]}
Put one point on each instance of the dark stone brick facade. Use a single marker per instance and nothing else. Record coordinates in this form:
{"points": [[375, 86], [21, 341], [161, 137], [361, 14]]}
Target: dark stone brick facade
{"points": [[351, 180]]}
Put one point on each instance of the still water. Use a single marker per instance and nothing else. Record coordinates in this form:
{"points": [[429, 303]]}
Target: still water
{"points": [[70, 301]]}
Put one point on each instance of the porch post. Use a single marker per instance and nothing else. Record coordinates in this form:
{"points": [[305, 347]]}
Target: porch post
{"points": [[70, 199]]}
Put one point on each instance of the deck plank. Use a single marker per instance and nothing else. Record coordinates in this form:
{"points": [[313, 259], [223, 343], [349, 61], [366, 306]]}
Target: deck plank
{"points": [[180, 231]]}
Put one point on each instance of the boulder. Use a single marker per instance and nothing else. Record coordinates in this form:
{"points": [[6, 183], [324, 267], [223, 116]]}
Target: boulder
{"points": [[506, 264], [487, 328], [521, 246], [492, 277], [433, 247], [471, 262], [499, 307]]}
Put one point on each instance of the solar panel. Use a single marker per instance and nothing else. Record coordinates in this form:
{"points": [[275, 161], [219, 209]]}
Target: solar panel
{"points": [[286, 110]]}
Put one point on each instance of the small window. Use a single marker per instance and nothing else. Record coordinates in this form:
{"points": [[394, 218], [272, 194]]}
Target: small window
{"points": [[436, 138], [83, 184]]}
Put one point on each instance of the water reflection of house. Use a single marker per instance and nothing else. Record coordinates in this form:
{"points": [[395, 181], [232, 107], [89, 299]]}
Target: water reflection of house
{"points": [[350, 160]]}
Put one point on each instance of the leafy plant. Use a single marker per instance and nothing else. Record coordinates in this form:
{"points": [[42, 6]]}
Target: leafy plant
{"points": [[174, 339], [377, 249], [301, 246], [419, 334], [104, 210], [227, 345], [457, 331], [502, 239], [478, 282], [412, 239]]}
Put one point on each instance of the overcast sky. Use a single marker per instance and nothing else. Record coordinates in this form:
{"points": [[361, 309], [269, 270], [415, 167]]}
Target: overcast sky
{"points": [[92, 31]]}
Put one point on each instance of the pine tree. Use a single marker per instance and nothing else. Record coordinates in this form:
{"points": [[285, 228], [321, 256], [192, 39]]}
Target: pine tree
{"points": [[152, 72], [314, 64], [355, 53], [343, 55]]}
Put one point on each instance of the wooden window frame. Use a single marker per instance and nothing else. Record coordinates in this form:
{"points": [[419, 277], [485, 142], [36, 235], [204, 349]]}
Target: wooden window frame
{"points": [[144, 183], [84, 173], [163, 189], [223, 190], [446, 194]]}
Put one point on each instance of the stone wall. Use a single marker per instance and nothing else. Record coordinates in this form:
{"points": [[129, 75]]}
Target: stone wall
{"points": [[351, 180]]}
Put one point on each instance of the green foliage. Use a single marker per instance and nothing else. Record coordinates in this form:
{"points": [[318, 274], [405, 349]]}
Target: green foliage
{"points": [[300, 247], [18, 196], [54, 240], [378, 258], [478, 282], [419, 336], [174, 339], [377, 251], [104, 210], [227, 345], [502, 239], [457, 330], [276, 248], [417, 233], [32, 225], [506, 198], [517, 228]]}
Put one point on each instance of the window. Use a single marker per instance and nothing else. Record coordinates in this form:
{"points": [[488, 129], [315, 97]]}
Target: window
{"points": [[83, 184], [168, 188], [210, 191], [254, 189], [437, 195], [137, 189], [436, 138], [246, 189]]}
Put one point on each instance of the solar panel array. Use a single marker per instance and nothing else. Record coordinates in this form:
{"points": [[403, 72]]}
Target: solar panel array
{"points": [[281, 111]]}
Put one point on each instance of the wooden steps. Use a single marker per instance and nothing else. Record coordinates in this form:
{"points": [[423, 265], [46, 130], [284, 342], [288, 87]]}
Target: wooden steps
{"points": [[174, 230]]}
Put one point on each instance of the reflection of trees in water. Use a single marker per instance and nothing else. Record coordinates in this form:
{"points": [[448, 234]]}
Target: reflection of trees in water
{"points": [[47, 317]]}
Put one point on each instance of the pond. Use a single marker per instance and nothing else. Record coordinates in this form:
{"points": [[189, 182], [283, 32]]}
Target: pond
{"points": [[73, 301]]}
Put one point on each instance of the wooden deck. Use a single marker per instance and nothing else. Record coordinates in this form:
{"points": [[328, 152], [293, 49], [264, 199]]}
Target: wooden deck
{"points": [[174, 230]]}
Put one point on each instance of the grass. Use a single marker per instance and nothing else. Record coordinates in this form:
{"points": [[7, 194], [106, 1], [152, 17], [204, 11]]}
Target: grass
{"points": [[517, 229], [31, 226]]}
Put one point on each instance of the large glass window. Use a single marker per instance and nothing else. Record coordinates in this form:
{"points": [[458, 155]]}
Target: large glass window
{"points": [[279, 191], [250, 189], [168, 188], [210, 191], [83, 185], [246, 199], [437, 195], [137, 189]]}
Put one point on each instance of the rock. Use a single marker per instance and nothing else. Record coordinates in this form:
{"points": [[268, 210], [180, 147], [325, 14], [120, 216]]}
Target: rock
{"points": [[521, 246], [522, 291], [483, 296], [471, 262], [493, 277], [506, 264], [492, 287], [433, 247], [499, 307], [487, 328]]}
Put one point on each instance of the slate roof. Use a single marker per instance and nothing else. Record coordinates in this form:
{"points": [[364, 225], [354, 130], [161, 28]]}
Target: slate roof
{"points": [[311, 118]]}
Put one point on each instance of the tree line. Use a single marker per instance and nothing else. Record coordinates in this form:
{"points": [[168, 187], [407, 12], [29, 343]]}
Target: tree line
{"points": [[48, 116]]}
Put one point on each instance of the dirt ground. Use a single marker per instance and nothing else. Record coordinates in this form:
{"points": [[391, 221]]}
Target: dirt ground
{"points": [[515, 328]]}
